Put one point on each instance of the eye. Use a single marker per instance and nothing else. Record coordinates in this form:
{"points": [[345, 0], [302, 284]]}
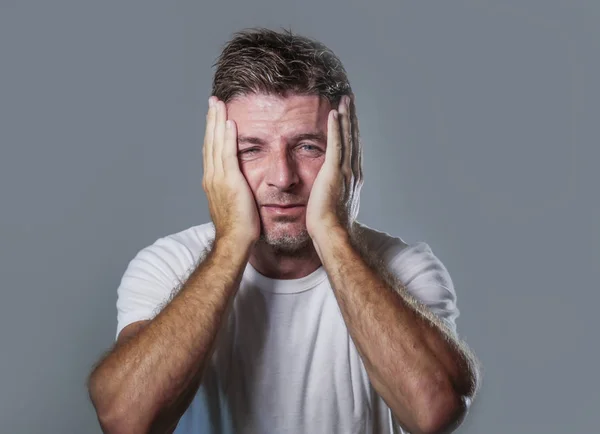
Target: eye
{"points": [[310, 147], [248, 151]]}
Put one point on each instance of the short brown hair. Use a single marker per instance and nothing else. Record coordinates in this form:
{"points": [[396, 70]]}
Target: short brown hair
{"points": [[260, 60]]}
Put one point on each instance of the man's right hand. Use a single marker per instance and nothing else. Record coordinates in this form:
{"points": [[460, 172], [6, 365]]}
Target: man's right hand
{"points": [[230, 200]]}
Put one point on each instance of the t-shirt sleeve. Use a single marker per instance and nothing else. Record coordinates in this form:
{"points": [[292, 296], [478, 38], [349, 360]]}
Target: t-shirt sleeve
{"points": [[425, 278], [150, 280]]}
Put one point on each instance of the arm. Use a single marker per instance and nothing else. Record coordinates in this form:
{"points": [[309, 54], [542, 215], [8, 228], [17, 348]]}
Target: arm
{"points": [[148, 380], [425, 375]]}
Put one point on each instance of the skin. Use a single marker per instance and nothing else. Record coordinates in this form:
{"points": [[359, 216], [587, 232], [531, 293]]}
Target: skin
{"points": [[281, 168], [426, 377], [148, 380]]}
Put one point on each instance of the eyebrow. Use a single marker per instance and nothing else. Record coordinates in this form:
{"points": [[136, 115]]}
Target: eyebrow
{"points": [[316, 136]]}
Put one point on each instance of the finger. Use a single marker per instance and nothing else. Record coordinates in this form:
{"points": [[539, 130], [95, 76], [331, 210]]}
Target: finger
{"points": [[356, 143], [219, 137], [333, 153], [208, 141], [346, 137], [230, 147]]}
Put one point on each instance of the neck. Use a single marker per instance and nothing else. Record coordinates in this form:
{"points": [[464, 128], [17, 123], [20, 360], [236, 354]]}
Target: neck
{"points": [[277, 264]]}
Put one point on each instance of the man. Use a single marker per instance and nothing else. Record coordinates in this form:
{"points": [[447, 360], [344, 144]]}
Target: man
{"points": [[284, 314]]}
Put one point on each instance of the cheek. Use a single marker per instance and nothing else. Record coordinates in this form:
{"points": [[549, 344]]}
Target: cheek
{"points": [[252, 173], [310, 171]]}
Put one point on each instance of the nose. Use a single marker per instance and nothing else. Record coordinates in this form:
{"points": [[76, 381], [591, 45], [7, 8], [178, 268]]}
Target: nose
{"points": [[282, 172]]}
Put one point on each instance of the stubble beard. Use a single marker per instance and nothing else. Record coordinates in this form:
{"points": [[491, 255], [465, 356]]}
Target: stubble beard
{"points": [[282, 243]]}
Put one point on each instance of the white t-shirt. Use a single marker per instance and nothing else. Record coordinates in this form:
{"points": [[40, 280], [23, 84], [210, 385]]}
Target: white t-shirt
{"points": [[284, 361]]}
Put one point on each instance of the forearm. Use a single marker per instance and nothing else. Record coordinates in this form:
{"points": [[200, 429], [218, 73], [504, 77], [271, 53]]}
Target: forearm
{"points": [[416, 367], [153, 373]]}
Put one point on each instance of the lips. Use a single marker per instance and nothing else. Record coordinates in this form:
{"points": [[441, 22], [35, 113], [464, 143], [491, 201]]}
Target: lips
{"points": [[284, 210], [276, 205]]}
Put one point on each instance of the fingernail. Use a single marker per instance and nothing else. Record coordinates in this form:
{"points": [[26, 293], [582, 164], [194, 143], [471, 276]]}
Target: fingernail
{"points": [[210, 102]]}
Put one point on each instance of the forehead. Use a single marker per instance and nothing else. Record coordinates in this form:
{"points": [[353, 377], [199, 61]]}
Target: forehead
{"points": [[272, 116]]}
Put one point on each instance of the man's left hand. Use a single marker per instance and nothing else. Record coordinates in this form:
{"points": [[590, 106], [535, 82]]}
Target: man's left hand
{"points": [[334, 198]]}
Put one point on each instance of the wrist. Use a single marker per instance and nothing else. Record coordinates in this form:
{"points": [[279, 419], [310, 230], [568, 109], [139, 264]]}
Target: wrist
{"points": [[237, 248], [328, 235]]}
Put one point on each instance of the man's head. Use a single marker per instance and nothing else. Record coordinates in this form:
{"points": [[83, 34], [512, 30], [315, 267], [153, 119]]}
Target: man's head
{"points": [[279, 89]]}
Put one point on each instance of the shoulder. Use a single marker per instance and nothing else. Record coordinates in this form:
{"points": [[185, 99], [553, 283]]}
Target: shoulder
{"points": [[376, 243], [415, 266], [179, 249], [395, 252], [158, 271], [194, 239], [168, 261]]}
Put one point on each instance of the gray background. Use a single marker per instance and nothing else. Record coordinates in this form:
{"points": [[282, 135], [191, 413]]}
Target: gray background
{"points": [[478, 119]]}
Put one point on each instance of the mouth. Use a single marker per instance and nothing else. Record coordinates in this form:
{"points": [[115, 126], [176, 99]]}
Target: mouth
{"points": [[284, 209], [282, 205]]}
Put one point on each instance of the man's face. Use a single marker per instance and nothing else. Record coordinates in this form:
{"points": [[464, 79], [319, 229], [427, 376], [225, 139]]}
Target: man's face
{"points": [[281, 147]]}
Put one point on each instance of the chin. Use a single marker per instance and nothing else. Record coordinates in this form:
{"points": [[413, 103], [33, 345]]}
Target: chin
{"points": [[284, 230], [290, 235]]}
